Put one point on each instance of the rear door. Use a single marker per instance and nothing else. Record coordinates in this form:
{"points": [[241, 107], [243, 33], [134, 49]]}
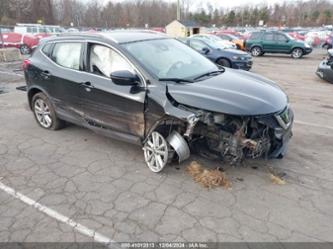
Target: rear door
{"points": [[64, 77], [115, 108], [268, 42]]}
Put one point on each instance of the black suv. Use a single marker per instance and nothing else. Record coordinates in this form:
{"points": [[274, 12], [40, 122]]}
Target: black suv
{"points": [[262, 42], [155, 91]]}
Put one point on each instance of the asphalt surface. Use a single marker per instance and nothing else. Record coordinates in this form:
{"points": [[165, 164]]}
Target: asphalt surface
{"points": [[105, 186]]}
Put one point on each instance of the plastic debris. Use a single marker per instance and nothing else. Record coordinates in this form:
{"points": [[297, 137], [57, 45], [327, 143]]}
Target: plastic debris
{"points": [[277, 180]]}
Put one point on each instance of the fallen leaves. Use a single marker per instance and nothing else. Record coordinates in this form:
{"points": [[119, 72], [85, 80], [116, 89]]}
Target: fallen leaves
{"points": [[207, 178], [277, 180]]}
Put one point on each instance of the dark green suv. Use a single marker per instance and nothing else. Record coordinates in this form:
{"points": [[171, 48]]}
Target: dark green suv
{"points": [[263, 42]]}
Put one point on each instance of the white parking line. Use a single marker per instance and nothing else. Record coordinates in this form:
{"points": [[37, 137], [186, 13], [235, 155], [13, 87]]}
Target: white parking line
{"points": [[314, 125], [100, 238]]}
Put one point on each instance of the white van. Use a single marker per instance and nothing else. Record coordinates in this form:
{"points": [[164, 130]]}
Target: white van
{"points": [[26, 28]]}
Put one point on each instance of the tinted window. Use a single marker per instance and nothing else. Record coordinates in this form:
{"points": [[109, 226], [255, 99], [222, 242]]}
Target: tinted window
{"points": [[29, 30], [67, 55], [104, 61], [47, 49], [268, 37], [281, 38]]}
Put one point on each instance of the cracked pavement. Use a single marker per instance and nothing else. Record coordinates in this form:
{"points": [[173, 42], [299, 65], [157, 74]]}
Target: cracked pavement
{"points": [[105, 185]]}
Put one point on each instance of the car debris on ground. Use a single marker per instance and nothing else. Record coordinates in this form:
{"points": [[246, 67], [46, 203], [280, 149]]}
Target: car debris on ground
{"points": [[207, 178]]}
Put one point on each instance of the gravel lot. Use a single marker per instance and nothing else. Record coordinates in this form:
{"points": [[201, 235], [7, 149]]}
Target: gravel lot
{"points": [[105, 186]]}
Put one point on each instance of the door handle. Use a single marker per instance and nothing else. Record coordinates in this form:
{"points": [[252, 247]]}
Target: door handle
{"points": [[46, 74], [87, 85]]}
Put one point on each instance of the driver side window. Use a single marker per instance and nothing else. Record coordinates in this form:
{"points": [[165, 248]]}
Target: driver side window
{"points": [[281, 38], [103, 61], [197, 45]]}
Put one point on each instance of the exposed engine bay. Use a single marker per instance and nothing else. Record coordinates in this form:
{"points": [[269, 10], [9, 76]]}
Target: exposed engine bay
{"points": [[233, 138]]}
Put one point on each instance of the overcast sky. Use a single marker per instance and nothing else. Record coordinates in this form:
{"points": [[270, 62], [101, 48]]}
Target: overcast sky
{"points": [[223, 3]]}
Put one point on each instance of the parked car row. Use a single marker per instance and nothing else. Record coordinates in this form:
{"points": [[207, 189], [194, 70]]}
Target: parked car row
{"points": [[172, 101], [25, 42], [224, 57]]}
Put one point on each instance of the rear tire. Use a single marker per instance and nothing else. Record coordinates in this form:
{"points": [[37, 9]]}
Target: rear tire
{"points": [[223, 62], [256, 51], [297, 53], [44, 113]]}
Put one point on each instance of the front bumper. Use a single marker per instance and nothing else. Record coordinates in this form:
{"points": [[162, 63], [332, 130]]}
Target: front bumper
{"points": [[280, 125], [308, 50], [322, 71], [244, 65], [283, 132]]}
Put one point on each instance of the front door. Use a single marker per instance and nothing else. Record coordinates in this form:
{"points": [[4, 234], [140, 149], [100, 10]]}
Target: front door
{"points": [[105, 105], [283, 43]]}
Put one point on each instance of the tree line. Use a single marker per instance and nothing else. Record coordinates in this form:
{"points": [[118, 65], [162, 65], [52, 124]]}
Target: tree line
{"points": [[158, 13]]}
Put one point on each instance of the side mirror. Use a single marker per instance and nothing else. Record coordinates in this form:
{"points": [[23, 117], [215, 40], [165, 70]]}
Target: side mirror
{"points": [[125, 78], [205, 50]]}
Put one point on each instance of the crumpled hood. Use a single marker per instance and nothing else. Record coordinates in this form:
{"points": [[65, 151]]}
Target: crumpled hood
{"points": [[235, 92]]}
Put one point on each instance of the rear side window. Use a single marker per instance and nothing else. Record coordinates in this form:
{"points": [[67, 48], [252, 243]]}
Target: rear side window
{"points": [[268, 37], [67, 54], [47, 49]]}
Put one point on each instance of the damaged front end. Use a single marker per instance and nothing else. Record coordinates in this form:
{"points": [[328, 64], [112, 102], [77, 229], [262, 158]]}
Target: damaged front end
{"points": [[222, 136], [234, 138]]}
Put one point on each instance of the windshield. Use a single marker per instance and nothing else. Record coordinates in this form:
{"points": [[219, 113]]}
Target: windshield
{"points": [[169, 58]]}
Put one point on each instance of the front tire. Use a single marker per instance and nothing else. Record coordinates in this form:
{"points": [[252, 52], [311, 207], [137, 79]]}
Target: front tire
{"points": [[223, 62], [44, 113], [157, 152], [256, 51], [297, 53]]}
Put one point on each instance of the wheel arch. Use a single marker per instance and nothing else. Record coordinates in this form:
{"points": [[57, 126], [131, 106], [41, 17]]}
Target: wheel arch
{"points": [[257, 45], [297, 47], [224, 58], [32, 92]]}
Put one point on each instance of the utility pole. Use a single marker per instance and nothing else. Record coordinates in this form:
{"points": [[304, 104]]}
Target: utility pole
{"points": [[178, 10], [1, 39]]}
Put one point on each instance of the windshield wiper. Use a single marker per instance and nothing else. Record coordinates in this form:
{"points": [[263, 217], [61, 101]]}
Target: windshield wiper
{"points": [[177, 80], [212, 73]]}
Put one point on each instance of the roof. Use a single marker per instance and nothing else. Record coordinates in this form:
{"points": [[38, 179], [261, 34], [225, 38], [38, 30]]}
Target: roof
{"points": [[189, 23], [123, 36]]}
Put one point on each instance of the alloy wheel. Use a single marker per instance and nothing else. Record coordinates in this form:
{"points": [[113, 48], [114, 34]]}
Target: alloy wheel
{"points": [[42, 112], [297, 53], [256, 51], [24, 49], [156, 152]]}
